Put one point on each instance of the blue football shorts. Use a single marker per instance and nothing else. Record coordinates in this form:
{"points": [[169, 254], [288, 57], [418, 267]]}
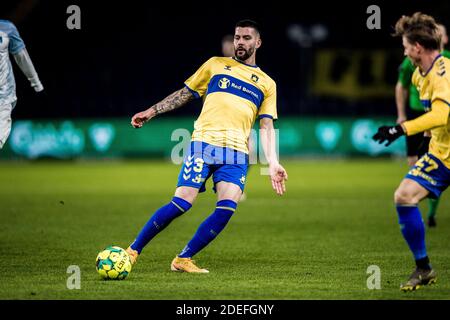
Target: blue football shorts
{"points": [[431, 174], [204, 160]]}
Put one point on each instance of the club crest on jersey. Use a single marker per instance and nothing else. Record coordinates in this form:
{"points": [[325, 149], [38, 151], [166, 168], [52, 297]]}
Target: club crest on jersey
{"points": [[255, 78], [224, 83]]}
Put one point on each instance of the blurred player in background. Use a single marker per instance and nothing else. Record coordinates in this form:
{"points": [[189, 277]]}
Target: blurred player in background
{"points": [[228, 45], [430, 176], [416, 145], [12, 43], [235, 92]]}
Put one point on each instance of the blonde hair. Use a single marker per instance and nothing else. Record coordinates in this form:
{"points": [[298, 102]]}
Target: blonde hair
{"points": [[419, 28]]}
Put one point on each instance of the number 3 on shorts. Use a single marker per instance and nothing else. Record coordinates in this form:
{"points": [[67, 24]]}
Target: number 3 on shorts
{"points": [[198, 165]]}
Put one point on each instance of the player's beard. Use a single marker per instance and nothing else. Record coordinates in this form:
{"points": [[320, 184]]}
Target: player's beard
{"points": [[248, 53]]}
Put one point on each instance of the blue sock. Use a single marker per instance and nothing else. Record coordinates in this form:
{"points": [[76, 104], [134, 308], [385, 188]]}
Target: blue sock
{"points": [[160, 219], [413, 229], [210, 228]]}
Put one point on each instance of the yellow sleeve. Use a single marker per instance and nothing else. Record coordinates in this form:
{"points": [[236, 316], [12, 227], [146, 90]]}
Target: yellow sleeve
{"points": [[268, 108], [437, 117], [198, 82], [441, 87]]}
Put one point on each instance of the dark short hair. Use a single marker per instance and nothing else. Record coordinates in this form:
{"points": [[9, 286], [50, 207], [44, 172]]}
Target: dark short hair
{"points": [[420, 28], [247, 23]]}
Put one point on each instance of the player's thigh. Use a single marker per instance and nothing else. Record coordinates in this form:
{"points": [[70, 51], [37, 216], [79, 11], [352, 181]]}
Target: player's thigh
{"points": [[229, 181], [188, 194], [410, 192], [5, 123], [228, 191], [193, 175]]}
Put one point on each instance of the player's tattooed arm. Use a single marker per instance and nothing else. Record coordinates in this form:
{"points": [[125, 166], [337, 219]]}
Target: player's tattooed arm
{"points": [[175, 100]]}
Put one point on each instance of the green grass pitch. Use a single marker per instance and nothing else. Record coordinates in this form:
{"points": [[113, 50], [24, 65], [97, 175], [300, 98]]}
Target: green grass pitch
{"points": [[315, 242]]}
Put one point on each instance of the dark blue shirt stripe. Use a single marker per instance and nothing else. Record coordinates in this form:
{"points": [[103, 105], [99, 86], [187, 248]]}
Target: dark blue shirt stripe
{"points": [[232, 85]]}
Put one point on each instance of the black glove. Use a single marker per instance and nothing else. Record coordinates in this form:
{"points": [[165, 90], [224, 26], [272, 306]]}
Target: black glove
{"points": [[389, 134]]}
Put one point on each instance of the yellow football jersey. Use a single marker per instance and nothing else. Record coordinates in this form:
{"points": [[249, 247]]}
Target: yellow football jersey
{"points": [[434, 90], [234, 94]]}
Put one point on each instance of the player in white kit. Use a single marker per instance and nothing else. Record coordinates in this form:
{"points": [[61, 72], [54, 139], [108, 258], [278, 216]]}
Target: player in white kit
{"points": [[10, 42]]}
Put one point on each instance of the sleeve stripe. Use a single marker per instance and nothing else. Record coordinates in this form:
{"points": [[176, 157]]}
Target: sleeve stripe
{"points": [[195, 93], [266, 116]]}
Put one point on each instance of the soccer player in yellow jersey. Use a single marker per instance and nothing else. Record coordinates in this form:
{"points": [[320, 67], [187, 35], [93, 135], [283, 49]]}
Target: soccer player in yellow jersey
{"points": [[430, 176], [235, 91], [417, 144]]}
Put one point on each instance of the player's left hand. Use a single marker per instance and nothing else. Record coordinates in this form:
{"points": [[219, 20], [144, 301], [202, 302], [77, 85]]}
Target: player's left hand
{"points": [[389, 134], [278, 176]]}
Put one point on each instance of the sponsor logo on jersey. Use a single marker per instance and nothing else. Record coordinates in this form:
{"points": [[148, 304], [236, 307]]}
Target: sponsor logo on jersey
{"points": [[224, 83]]}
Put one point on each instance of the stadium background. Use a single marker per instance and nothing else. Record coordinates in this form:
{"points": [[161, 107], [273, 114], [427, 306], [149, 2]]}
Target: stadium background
{"points": [[334, 75], [336, 83]]}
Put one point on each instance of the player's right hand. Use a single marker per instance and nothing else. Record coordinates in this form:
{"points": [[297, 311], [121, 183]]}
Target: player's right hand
{"points": [[139, 119]]}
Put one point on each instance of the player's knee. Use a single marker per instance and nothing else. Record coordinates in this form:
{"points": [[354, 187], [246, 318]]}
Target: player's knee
{"points": [[187, 194], [402, 196]]}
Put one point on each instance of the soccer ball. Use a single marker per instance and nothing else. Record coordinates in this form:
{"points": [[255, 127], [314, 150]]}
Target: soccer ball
{"points": [[113, 263]]}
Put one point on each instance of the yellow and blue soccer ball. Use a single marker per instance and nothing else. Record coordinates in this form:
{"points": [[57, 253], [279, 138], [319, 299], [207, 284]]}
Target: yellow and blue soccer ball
{"points": [[113, 263]]}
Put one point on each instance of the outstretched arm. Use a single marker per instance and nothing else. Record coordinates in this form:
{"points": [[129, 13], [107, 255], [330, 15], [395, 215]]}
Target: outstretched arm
{"points": [[438, 116], [25, 64], [175, 100], [278, 174]]}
